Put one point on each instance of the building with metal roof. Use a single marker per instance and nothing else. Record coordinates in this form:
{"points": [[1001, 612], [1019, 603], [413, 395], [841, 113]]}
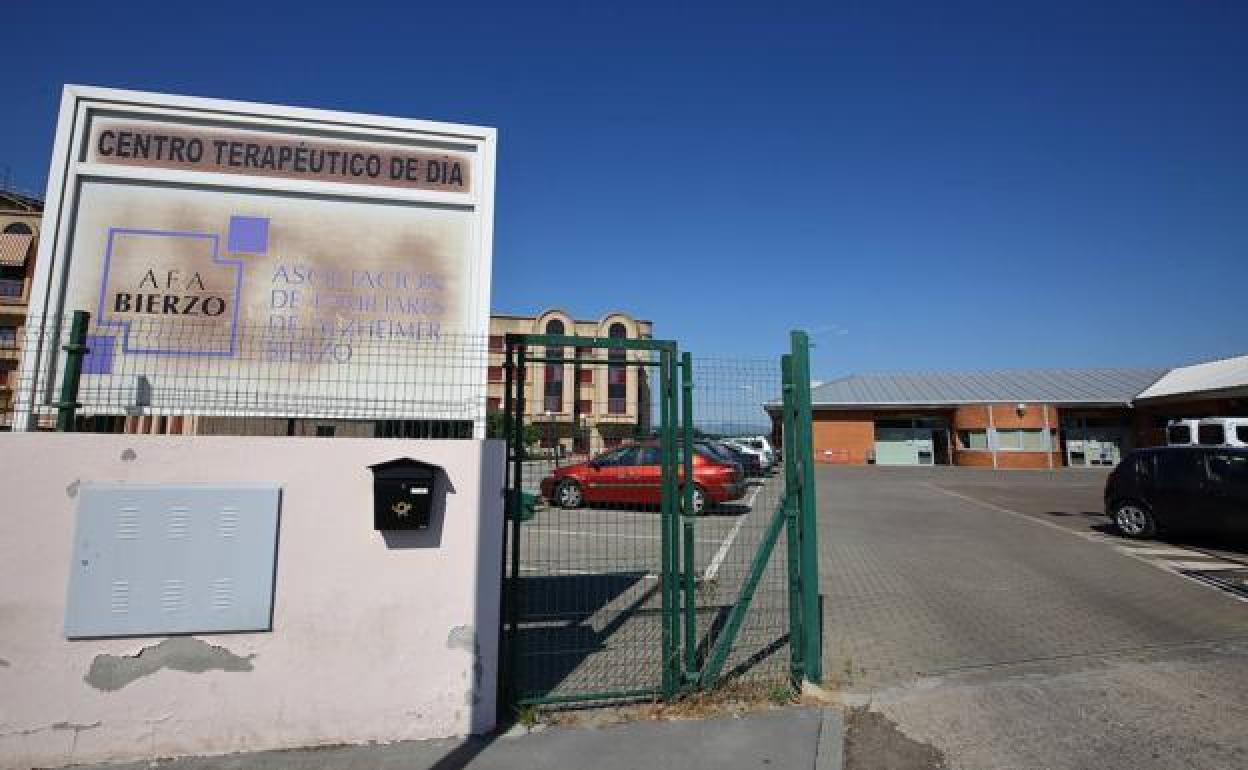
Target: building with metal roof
{"points": [[1015, 418], [1091, 387]]}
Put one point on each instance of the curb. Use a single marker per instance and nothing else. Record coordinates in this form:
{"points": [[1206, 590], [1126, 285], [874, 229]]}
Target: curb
{"points": [[830, 751]]}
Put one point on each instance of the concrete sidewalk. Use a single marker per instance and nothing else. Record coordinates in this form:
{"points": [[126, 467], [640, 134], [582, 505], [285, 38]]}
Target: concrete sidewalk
{"points": [[783, 739]]}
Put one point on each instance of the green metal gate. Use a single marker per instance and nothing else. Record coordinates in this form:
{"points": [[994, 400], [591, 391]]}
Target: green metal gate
{"points": [[622, 580]]}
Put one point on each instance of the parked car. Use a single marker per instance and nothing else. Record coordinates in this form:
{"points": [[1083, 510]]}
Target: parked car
{"points": [[1222, 431], [1181, 432], [758, 456], [1208, 431], [750, 463], [1179, 488], [632, 474], [770, 456], [721, 453]]}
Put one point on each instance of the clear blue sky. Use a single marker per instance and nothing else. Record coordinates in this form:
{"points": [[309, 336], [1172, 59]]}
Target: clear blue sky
{"points": [[925, 185]]}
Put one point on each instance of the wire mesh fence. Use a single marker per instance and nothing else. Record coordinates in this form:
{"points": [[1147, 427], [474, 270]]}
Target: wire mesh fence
{"points": [[156, 376], [589, 569], [732, 396], [591, 601]]}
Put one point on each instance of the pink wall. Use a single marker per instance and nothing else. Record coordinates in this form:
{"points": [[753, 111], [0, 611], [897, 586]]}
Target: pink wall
{"points": [[371, 641]]}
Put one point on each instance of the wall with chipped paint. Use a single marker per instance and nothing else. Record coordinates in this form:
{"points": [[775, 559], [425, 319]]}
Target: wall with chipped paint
{"points": [[375, 637]]}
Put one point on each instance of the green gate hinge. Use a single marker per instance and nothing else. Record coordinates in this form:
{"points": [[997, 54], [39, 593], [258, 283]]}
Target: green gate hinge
{"points": [[527, 510]]}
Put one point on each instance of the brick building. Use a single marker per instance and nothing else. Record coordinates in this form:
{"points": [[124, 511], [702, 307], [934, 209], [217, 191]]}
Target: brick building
{"points": [[1028, 418], [1210, 389], [1043, 418], [594, 401], [20, 219]]}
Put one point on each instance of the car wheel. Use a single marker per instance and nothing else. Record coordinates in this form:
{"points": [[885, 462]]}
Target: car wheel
{"points": [[1134, 520], [569, 495]]}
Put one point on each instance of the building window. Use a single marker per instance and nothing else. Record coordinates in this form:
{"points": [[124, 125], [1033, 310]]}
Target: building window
{"points": [[973, 439], [584, 406], [495, 373], [497, 345], [8, 337], [18, 228], [553, 393], [1211, 434], [1241, 432], [494, 404], [587, 376], [1021, 440], [12, 282], [325, 431], [617, 372]]}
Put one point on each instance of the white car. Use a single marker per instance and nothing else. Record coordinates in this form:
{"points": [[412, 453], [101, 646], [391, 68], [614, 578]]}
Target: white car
{"points": [[1222, 431], [1182, 432], [753, 446]]}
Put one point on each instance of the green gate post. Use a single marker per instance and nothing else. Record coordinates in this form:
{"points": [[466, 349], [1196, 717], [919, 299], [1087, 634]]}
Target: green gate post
{"points": [[813, 655], [797, 645], [686, 508], [74, 353], [669, 544], [515, 425]]}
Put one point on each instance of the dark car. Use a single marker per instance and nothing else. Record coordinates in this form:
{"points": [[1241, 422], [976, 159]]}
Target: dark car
{"points": [[1179, 489], [632, 474], [750, 464]]}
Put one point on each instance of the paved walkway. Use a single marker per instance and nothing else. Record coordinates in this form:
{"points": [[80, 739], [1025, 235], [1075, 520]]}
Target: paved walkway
{"points": [[783, 739]]}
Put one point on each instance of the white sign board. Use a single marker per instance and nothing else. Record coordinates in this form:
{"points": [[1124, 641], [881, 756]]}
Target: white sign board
{"points": [[304, 254]]}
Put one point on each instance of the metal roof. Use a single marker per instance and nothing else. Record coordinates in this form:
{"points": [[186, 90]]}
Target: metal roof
{"points": [[1208, 378], [1054, 386]]}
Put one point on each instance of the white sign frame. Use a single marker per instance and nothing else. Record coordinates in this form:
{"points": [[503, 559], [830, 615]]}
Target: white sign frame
{"points": [[80, 105]]}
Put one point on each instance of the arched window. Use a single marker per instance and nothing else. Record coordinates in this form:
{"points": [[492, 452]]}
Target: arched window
{"points": [[553, 393], [617, 372], [18, 228]]}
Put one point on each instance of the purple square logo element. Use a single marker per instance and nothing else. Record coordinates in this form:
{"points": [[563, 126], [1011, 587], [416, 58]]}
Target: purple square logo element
{"points": [[99, 357], [249, 235]]}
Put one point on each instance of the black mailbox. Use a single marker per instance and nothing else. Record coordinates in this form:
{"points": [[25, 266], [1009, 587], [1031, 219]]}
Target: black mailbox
{"points": [[403, 492]]}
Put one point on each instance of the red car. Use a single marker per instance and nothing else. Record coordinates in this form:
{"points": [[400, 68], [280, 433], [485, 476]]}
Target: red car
{"points": [[631, 474]]}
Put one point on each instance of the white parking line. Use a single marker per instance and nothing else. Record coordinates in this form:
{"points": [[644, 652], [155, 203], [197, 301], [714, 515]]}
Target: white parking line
{"points": [[717, 560], [1203, 565], [1174, 553], [1173, 568]]}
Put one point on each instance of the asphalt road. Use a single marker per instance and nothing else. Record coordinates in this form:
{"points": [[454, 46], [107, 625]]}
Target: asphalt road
{"points": [[988, 616]]}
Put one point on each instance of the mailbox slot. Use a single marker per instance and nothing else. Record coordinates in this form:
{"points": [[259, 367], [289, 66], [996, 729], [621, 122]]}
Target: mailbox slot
{"points": [[403, 493]]}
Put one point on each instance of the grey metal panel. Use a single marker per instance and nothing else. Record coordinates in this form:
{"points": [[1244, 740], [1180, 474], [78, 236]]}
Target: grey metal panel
{"points": [[1063, 386], [172, 559]]}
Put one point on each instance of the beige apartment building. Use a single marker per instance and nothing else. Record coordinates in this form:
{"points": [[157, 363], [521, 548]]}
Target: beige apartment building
{"points": [[20, 218], [594, 401]]}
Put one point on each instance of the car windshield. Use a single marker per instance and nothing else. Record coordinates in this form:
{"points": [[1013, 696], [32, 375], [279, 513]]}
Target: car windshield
{"points": [[721, 453]]}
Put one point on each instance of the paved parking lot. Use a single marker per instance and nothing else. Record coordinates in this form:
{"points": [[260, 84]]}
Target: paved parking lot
{"points": [[988, 614], [590, 592]]}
